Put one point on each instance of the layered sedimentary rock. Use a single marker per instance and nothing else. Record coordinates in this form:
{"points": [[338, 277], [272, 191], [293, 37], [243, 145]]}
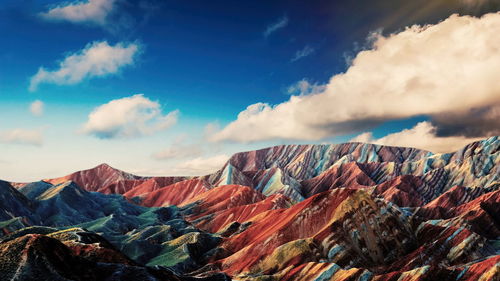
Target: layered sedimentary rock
{"points": [[174, 194], [295, 212], [134, 239]]}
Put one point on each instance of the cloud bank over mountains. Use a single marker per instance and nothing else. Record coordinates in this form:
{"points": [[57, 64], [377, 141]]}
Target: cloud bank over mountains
{"points": [[447, 72], [423, 136]]}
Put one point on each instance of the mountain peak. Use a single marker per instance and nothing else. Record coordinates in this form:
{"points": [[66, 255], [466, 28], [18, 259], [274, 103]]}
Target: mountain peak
{"points": [[98, 178], [107, 167], [104, 165]]}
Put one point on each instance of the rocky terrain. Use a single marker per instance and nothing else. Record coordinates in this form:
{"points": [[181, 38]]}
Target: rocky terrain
{"points": [[295, 212]]}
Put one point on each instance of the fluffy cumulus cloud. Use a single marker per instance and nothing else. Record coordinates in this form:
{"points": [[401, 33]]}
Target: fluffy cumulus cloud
{"points": [[422, 136], [447, 71], [128, 117], [89, 12], [95, 60], [275, 26], [36, 108], [22, 136]]}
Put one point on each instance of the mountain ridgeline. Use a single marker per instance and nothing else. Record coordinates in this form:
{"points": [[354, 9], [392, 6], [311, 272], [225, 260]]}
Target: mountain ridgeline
{"points": [[294, 212]]}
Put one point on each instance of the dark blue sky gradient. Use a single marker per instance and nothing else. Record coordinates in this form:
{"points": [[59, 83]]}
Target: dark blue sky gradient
{"points": [[209, 59]]}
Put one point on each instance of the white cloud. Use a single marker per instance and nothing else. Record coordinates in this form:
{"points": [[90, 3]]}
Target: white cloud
{"points": [[365, 137], [210, 129], [36, 108], [302, 53], [95, 60], [200, 165], [275, 26], [422, 136], [304, 87], [128, 117], [91, 12], [424, 70], [22, 136]]}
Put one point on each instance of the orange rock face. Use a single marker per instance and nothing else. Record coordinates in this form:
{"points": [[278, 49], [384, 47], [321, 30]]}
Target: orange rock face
{"points": [[223, 197], [216, 221], [173, 194]]}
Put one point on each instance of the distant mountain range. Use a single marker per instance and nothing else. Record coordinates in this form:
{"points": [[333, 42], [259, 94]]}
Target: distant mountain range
{"points": [[294, 212]]}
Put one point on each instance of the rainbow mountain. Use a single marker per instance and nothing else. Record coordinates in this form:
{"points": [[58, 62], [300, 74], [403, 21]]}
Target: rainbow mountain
{"points": [[350, 211]]}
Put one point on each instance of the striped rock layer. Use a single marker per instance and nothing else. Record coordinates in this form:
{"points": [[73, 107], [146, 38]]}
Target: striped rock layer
{"points": [[350, 211]]}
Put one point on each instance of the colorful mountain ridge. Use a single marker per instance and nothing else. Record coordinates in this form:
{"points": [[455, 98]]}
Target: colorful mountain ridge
{"points": [[349, 211]]}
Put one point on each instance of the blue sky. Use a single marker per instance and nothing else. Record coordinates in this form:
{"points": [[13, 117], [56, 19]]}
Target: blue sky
{"points": [[201, 65]]}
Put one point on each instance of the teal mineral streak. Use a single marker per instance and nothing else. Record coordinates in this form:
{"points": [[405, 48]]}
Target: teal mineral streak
{"points": [[386, 208], [353, 147], [373, 157], [490, 144], [365, 276], [454, 234], [431, 222], [407, 212], [229, 172], [462, 273], [445, 157], [364, 152], [320, 167], [488, 165], [269, 183], [327, 274], [428, 165], [322, 159], [334, 251]]}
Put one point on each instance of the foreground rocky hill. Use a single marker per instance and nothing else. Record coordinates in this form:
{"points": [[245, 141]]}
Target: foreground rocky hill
{"points": [[297, 212]]}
